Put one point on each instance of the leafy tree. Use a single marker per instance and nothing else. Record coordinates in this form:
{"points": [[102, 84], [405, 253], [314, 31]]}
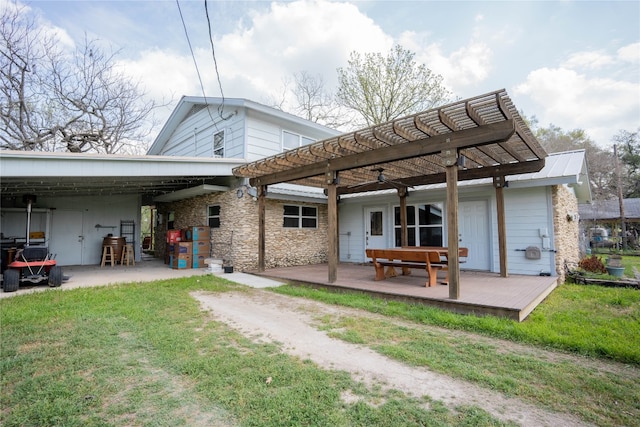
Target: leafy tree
{"points": [[601, 174], [382, 88], [629, 148], [55, 101]]}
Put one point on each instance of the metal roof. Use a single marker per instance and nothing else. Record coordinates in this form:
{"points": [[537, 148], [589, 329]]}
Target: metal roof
{"points": [[81, 174], [610, 210], [487, 130], [567, 168]]}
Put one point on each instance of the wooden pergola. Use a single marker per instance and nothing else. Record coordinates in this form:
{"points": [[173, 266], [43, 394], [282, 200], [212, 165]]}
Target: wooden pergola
{"points": [[479, 137]]}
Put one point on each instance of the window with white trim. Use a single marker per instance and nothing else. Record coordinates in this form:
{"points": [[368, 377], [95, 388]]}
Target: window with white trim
{"points": [[213, 216], [296, 216], [424, 225], [218, 144], [292, 140]]}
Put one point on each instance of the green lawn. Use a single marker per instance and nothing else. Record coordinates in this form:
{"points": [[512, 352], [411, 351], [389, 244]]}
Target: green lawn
{"points": [[145, 354]]}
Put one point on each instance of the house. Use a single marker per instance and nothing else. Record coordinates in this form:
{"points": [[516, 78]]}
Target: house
{"points": [[190, 175]]}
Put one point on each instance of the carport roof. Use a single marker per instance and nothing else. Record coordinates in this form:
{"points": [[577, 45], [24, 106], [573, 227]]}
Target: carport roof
{"points": [[486, 131], [48, 174]]}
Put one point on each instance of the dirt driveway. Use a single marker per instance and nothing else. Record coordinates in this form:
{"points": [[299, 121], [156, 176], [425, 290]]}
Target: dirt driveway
{"points": [[265, 316]]}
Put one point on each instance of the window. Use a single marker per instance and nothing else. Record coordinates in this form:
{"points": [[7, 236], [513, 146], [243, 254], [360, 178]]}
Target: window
{"points": [[292, 140], [170, 220], [218, 144], [300, 217], [424, 225], [213, 216]]}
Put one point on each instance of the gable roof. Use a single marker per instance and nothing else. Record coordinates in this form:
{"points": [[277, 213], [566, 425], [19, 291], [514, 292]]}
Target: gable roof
{"points": [[187, 103]]}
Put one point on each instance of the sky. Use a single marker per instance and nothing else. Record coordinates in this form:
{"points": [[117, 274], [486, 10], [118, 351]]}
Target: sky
{"points": [[573, 64]]}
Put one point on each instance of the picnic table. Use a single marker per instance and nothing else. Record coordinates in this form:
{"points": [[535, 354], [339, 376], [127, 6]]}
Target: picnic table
{"points": [[430, 258]]}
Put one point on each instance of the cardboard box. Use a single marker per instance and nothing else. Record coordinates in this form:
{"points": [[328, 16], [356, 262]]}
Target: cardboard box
{"points": [[202, 247], [198, 261], [183, 248], [196, 233], [181, 262]]}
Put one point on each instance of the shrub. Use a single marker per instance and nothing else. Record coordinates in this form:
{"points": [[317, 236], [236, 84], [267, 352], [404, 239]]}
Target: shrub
{"points": [[592, 264]]}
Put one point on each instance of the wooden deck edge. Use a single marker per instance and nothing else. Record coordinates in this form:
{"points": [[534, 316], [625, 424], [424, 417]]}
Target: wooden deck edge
{"points": [[447, 305], [533, 304]]}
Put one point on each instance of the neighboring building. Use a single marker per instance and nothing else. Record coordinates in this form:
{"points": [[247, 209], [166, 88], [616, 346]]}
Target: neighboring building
{"points": [[600, 222], [187, 175]]}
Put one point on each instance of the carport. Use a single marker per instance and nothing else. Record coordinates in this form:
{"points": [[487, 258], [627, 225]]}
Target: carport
{"points": [[98, 189], [479, 137]]}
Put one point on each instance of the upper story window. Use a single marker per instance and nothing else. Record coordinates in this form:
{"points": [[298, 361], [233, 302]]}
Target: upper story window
{"points": [[300, 216], [292, 140], [218, 144]]}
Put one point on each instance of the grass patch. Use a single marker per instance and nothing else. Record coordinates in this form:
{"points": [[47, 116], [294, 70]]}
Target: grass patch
{"points": [[588, 320], [598, 322], [145, 354]]}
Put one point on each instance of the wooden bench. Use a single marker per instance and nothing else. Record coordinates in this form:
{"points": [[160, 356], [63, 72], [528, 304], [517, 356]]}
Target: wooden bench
{"points": [[463, 253], [406, 259]]}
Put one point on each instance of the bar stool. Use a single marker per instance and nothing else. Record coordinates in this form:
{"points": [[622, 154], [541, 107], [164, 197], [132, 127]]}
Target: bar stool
{"points": [[128, 254], [108, 255]]}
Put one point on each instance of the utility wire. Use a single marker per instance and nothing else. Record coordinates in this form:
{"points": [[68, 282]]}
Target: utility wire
{"points": [[195, 63], [215, 62]]}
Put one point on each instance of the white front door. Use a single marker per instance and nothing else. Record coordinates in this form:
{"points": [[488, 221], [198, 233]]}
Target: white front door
{"points": [[67, 238], [375, 232], [473, 226]]}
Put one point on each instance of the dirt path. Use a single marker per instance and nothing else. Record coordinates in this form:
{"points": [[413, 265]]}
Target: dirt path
{"points": [[265, 316]]}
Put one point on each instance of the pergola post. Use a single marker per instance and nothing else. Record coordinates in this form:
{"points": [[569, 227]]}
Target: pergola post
{"points": [[332, 214], [451, 162], [499, 183], [404, 234], [262, 195]]}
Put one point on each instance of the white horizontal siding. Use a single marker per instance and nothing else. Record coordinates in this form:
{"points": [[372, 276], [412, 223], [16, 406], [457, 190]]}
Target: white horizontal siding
{"points": [[193, 137], [527, 211], [263, 139]]}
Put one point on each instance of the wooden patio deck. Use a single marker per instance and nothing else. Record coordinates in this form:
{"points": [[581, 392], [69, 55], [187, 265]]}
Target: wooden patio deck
{"points": [[481, 293]]}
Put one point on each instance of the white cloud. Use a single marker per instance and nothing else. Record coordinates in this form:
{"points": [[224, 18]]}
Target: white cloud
{"points": [[462, 67], [593, 60], [314, 36], [571, 100], [630, 53]]}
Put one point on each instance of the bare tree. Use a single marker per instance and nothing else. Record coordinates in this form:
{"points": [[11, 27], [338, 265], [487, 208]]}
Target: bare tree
{"points": [[381, 88], [54, 101], [306, 96], [315, 103]]}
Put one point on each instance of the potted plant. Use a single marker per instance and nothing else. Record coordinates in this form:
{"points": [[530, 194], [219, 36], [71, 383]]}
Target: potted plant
{"points": [[614, 260]]}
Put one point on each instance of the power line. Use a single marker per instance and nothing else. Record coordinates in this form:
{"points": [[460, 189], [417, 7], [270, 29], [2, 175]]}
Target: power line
{"points": [[215, 62], [195, 63]]}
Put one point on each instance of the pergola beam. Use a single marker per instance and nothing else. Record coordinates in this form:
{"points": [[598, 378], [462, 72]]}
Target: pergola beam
{"points": [[438, 178]]}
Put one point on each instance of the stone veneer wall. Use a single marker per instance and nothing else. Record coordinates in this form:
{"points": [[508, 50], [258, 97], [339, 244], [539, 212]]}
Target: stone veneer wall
{"points": [[236, 241], [565, 228]]}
